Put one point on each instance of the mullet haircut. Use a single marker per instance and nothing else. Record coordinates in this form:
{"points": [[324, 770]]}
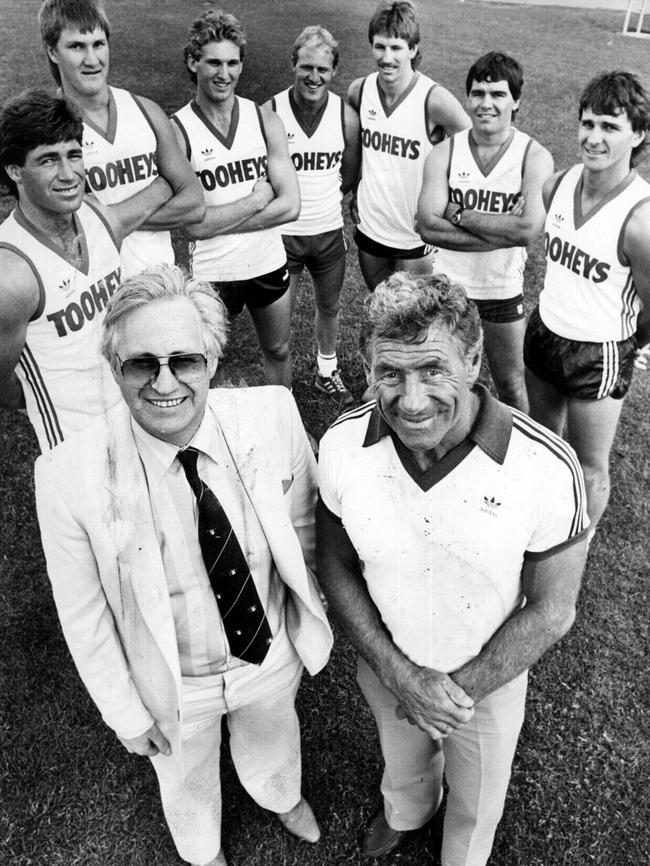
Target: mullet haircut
{"points": [[83, 15]]}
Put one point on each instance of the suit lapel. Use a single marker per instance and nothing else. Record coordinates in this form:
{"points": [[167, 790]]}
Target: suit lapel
{"points": [[131, 527]]}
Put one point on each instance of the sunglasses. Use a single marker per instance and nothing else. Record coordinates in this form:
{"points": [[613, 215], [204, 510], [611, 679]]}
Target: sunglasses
{"points": [[187, 368]]}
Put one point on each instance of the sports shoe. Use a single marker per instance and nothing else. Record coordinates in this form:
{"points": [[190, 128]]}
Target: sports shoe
{"points": [[333, 386]]}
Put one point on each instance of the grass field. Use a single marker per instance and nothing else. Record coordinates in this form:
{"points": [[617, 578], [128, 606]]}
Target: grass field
{"points": [[71, 796]]}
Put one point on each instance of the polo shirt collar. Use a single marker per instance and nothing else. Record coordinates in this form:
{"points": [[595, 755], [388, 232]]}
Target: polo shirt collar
{"points": [[491, 431]]}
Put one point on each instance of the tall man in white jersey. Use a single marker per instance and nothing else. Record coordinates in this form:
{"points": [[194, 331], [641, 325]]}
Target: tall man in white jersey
{"points": [[59, 265], [403, 114], [239, 153], [593, 318], [128, 140], [481, 204], [324, 145]]}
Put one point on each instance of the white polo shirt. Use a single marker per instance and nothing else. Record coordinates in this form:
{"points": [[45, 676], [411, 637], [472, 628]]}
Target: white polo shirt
{"points": [[442, 551]]}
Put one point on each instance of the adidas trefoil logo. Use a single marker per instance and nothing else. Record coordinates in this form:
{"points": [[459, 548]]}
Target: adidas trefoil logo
{"points": [[290, 137], [207, 152], [463, 175], [65, 286], [558, 219], [372, 113], [490, 506], [88, 144]]}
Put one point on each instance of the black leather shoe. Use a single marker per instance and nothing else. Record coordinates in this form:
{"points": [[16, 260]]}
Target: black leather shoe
{"points": [[380, 839]]}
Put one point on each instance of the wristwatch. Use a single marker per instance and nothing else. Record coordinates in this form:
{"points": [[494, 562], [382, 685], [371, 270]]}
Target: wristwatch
{"points": [[457, 217]]}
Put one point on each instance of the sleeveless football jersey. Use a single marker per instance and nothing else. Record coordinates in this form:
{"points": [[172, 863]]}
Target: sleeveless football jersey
{"points": [[228, 168], [121, 162], [317, 157], [394, 148], [64, 378], [589, 292], [497, 274]]}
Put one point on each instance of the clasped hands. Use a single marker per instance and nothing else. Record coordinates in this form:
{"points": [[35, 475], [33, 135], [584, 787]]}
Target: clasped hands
{"points": [[433, 701]]}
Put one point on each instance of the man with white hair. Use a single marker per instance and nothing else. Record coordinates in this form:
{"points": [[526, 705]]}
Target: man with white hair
{"points": [[180, 607]]}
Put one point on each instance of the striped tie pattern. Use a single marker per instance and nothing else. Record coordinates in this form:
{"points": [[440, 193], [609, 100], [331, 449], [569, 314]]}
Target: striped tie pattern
{"points": [[241, 610]]}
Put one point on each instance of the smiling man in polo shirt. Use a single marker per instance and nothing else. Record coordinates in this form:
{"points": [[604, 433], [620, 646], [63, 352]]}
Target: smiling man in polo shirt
{"points": [[442, 511]]}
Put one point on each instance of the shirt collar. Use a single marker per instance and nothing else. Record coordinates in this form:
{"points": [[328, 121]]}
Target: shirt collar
{"points": [[491, 430], [158, 455]]}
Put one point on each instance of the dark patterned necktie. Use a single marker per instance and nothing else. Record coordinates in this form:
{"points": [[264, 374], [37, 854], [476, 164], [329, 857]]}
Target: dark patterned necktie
{"points": [[242, 613]]}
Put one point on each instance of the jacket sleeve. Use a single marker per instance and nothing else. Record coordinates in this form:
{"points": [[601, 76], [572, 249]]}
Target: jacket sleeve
{"points": [[85, 616], [304, 486]]}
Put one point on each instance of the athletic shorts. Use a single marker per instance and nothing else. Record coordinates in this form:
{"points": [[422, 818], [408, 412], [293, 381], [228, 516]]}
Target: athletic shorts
{"points": [[580, 370], [503, 311], [374, 248], [318, 253], [254, 293]]}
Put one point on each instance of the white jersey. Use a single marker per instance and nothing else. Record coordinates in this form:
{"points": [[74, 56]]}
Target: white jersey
{"points": [[497, 274], [395, 145], [589, 293], [317, 157], [64, 378], [120, 162], [228, 168]]}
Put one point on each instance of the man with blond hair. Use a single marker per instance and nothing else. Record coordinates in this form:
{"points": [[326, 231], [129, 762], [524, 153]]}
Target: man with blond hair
{"points": [[323, 140]]}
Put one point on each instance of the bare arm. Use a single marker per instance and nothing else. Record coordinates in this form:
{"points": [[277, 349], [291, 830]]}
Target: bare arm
{"points": [[353, 99], [19, 299], [512, 229], [636, 249], [285, 207], [430, 699], [444, 112], [351, 163], [551, 588], [128, 215], [432, 225], [225, 218], [186, 204]]}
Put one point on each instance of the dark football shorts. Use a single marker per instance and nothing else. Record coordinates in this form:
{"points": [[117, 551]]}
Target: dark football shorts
{"points": [[318, 253], [254, 293], [374, 248], [580, 370], [503, 311]]}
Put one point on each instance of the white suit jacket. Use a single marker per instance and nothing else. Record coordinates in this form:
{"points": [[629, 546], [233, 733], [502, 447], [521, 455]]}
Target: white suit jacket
{"points": [[104, 560]]}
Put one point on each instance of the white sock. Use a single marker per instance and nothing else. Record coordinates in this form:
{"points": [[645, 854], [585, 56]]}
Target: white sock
{"points": [[326, 364]]}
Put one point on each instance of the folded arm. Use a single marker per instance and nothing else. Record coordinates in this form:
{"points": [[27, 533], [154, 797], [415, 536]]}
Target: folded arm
{"points": [[186, 204]]}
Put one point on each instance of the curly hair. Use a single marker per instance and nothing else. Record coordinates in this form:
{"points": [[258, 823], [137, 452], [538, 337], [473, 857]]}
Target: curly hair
{"points": [[215, 25], [405, 306]]}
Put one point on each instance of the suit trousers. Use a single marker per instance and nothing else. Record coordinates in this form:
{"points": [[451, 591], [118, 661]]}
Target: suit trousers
{"points": [[264, 745], [476, 760]]}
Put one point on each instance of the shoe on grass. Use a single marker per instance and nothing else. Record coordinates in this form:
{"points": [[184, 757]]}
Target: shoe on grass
{"points": [[333, 386], [301, 822], [380, 839]]}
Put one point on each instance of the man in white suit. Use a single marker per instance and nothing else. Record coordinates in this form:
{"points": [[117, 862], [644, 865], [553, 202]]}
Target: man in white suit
{"points": [[126, 542]]}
